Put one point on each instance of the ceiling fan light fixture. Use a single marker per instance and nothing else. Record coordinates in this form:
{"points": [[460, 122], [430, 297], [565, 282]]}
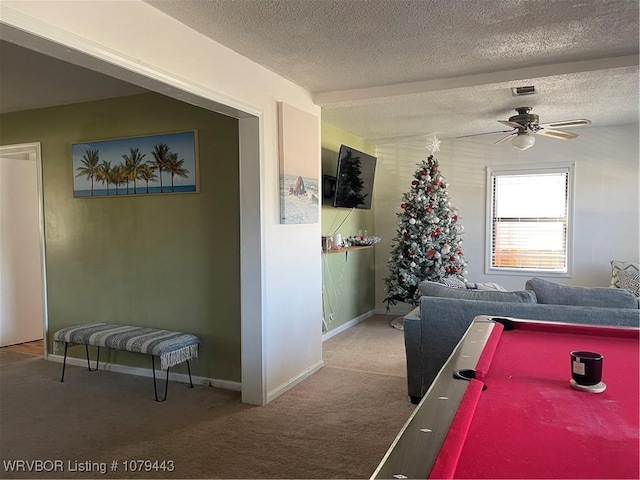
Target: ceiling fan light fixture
{"points": [[524, 141]]}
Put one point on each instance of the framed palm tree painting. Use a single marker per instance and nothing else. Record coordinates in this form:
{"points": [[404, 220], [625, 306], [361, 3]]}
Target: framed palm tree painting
{"points": [[146, 165]]}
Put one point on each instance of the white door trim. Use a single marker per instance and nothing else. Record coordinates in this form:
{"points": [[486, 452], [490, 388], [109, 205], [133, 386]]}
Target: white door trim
{"points": [[33, 151], [50, 40]]}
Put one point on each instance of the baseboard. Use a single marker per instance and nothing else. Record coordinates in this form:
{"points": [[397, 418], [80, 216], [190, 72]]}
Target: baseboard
{"points": [[289, 384], [347, 325], [146, 372]]}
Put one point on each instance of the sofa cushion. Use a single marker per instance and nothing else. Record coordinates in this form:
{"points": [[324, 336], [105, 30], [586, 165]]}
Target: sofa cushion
{"points": [[432, 289], [556, 294], [486, 286]]}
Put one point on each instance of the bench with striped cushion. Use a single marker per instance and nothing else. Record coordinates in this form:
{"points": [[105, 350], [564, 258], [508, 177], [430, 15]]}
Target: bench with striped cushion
{"points": [[171, 347]]}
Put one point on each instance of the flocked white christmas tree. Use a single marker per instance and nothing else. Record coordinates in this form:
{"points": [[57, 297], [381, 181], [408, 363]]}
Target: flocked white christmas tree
{"points": [[427, 245]]}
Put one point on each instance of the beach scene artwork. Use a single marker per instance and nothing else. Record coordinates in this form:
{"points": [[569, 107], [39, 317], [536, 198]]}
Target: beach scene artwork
{"points": [[299, 177], [147, 165]]}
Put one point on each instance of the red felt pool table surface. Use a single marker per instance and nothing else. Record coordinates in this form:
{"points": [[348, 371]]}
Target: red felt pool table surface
{"points": [[530, 423], [520, 417]]}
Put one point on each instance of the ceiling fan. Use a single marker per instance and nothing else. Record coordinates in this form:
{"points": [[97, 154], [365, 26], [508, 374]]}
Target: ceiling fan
{"points": [[525, 125]]}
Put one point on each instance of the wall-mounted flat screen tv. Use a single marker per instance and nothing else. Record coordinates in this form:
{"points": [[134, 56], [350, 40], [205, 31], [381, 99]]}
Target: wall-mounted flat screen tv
{"points": [[354, 179]]}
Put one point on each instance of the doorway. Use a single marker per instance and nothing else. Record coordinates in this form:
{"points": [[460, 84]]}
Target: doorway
{"points": [[82, 52], [22, 280]]}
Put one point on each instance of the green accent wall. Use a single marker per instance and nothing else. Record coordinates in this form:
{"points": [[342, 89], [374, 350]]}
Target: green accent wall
{"points": [[348, 279], [168, 261]]}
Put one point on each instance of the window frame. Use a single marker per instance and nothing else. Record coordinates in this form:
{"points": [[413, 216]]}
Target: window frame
{"points": [[531, 169]]}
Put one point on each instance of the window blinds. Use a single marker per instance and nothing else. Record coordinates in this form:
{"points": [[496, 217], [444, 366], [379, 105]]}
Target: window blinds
{"points": [[529, 221]]}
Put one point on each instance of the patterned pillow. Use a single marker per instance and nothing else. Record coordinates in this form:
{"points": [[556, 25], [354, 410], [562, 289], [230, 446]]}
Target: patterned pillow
{"points": [[453, 282], [617, 266], [630, 280]]}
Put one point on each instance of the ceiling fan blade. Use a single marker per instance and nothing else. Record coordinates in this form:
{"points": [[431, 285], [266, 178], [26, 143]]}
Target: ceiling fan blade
{"points": [[510, 124], [567, 123], [507, 138], [486, 133], [547, 132]]}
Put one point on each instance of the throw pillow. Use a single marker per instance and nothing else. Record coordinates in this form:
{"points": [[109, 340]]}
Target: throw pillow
{"points": [[617, 266], [557, 294], [432, 289], [453, 282], [630, 280]]}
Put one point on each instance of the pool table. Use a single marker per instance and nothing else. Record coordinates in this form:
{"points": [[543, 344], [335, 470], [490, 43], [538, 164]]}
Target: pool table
{"points": [[502, 407]]}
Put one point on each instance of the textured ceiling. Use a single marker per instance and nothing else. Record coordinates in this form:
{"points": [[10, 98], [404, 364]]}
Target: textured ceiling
{"points": [[327, 45], [394, 71]]}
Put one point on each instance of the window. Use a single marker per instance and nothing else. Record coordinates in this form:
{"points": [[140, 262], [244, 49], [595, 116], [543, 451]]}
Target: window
{"points": [[530, 213]]}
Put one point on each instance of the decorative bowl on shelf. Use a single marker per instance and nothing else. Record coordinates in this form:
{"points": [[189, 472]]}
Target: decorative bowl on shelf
{"points": [[357, 241]]}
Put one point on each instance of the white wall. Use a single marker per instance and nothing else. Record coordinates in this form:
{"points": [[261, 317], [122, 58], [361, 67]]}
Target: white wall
{"points": [[607, 198], [133, 35]]}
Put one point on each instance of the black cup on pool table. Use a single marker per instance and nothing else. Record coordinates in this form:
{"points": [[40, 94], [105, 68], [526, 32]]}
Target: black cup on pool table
{"points": [[586, 367]]}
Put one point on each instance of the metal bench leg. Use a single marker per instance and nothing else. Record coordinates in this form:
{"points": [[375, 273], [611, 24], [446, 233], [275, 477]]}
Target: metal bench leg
{"points": [[189, 369], [64, 362], [166, 383], [97, 359]]}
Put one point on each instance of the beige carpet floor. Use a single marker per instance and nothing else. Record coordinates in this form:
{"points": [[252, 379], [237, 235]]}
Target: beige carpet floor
{"points": [[352, 349], [338, 423]]}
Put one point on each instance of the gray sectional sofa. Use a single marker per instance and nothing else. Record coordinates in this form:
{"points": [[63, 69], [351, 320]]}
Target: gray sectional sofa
{"points": [[432, 330]]}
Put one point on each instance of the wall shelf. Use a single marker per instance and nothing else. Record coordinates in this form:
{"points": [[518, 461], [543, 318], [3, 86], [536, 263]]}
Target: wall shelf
{"points": [[347, 249]]}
